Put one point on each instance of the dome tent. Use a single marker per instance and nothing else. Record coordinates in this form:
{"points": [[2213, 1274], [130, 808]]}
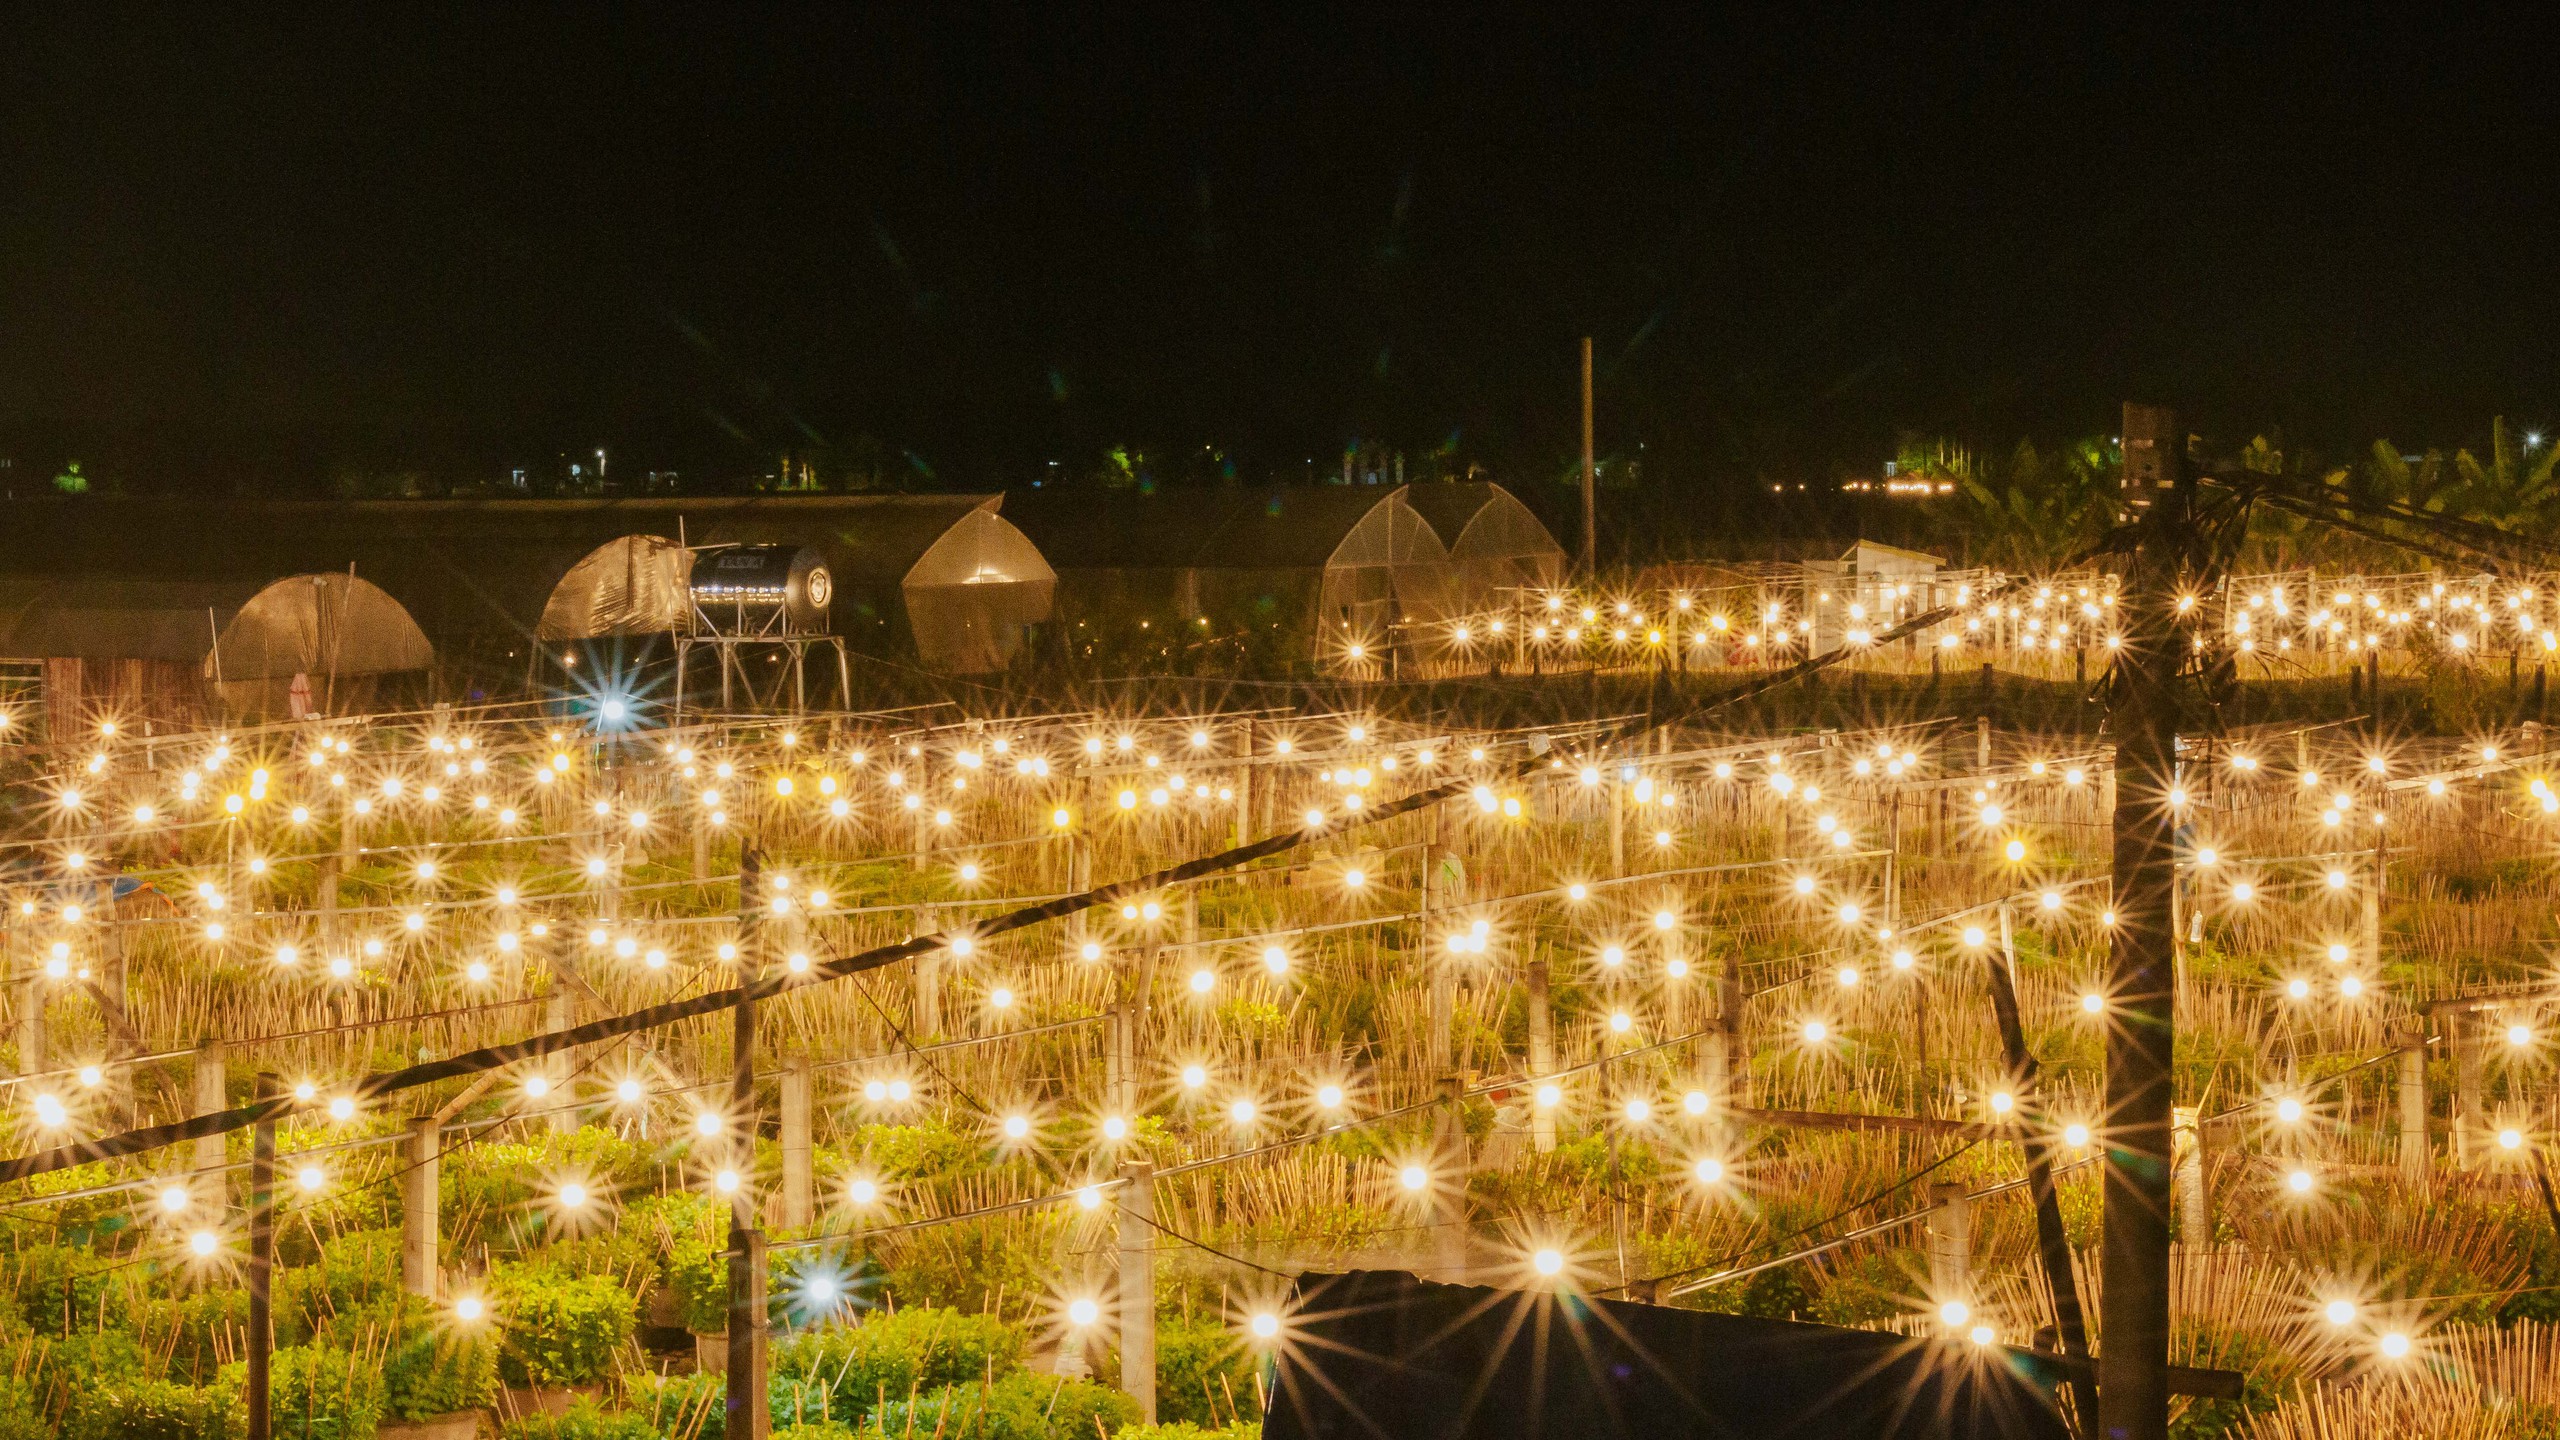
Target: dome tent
{"points": [[629, 585], [1496, 544], [1310, 571]]}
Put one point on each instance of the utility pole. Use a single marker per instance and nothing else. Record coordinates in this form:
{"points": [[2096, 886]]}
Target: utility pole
{"points": [[2133, 1388], [1590, 512]]}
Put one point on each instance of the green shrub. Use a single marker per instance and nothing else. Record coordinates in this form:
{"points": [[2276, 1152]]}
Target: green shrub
{"points": [[584, 1420], [812, 1432], [193, 1329], [132, 1409], [21, 1416], [558, 1329], [1021, 1406], [698, 1273], [1203, 1374], [841, 1373], [691, 1404], [102, 1355], [318, 1393], [58, 1288], [1185, 1430], [437, 1374]]}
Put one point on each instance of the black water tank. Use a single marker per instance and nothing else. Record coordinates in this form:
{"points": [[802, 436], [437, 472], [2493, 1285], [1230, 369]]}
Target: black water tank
{"points": [[743, 585]]}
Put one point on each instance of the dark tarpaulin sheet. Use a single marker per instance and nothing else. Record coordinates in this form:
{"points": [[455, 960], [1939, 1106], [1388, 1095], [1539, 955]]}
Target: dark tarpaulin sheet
{"points": [[1383, 1354]]}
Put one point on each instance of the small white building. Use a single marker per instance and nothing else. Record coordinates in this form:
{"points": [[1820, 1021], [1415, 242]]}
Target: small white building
{"points": [[1867, 591]]}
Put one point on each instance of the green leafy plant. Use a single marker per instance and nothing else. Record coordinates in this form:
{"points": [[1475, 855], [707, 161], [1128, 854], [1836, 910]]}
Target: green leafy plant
{"points": [[58, 1288], [320, 1393], [584, 1420], [692, 1404], [698, 1273], [135, 1409], [558, 1329], [437, 1374], [1021, 1406], [842, 1373], [1203, 1375]]}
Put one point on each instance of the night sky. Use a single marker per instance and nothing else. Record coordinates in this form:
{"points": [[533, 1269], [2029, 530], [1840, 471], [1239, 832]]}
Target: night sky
{"points": [[244, 249]]}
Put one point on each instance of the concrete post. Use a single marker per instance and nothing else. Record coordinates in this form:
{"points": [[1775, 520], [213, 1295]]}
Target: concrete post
{"points": [[927, 1019], [2373, 912], [562, 1013], [1244, 785], [210, 1090], [2187, 1165], [1950, 1241], [2415, 1163], [1456, 1162], [1617, 821], [2462, 1028], [31, 1021], [1542, 1056], [419, 1274], [1138, 1285], [1737, 1053], [798, 1185]]}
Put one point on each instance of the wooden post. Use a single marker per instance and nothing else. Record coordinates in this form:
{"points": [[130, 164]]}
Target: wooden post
{"points": [[1542, 1055], [1138, 1285], [798, 1180], [745, 1414], [1244, 783], [2035, 1143], [1950, 1226], [2133, 1373], [210, 1090], [1444, 984], [2462, 1029], [1590, 508], [1732, 1050], [2373, 901], [420, 1274], [2415, 1166], [262, 1259]]}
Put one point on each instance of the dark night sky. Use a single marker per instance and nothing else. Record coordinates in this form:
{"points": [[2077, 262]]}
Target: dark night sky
{"points": [[235, 247]]}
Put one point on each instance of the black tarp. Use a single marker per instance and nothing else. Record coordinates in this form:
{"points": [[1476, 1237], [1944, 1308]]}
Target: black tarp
{"points": [[1384, 1354]]}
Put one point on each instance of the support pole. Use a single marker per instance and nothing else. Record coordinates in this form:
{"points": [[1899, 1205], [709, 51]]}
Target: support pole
{"points": [[1542, 1055], [1456, 1163], [262, 1260], [419, 1272], [1590, 507], [2194, 1217], [211, 1087], [31, 1020], [1950, 1242], [2462, 1029], [1138, 1285], [2133, 1374], [798, 1184], [2414, 1160], [746, 1410]]}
